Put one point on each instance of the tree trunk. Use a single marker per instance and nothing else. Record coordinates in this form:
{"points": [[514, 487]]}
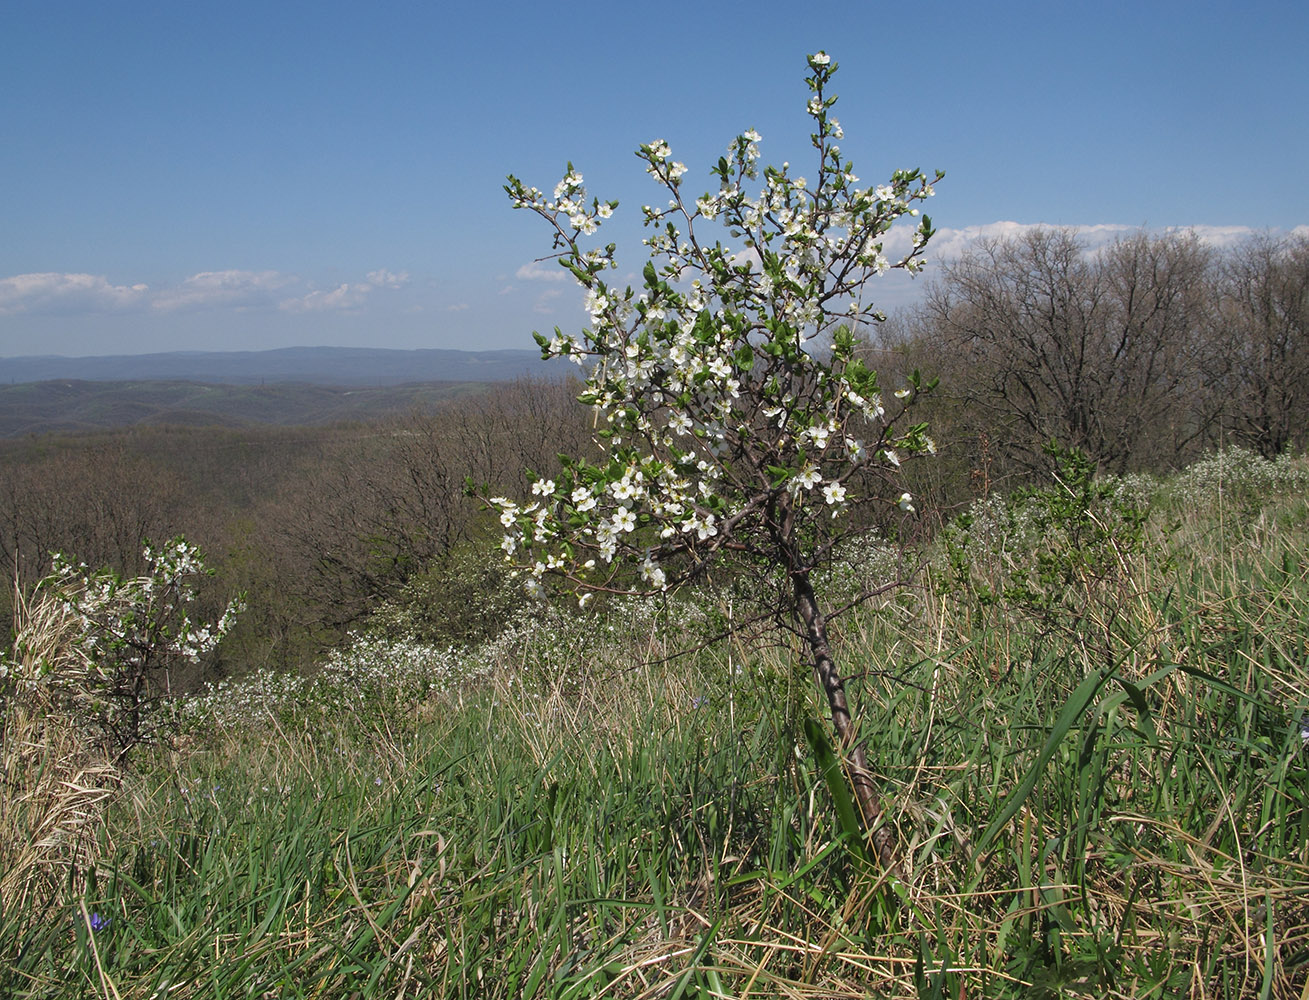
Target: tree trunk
{"points": [[833, 685]]}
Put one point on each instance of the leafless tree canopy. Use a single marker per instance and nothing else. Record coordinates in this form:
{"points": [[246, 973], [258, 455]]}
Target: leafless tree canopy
{"points": [[1142, 353], [1264, 320]]}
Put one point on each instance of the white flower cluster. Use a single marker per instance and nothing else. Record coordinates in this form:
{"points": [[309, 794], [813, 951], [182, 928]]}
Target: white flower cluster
{"points": [[1239, 477], [373, 672], [117, 633], [728, 383], [867, 564], [132, 623], [367, 671]]}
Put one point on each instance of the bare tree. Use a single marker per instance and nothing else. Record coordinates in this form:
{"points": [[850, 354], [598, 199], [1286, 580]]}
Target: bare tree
{"points": [[1154, 370], [1046, 339], [94, 497], [1265, 341], [384, 508]]}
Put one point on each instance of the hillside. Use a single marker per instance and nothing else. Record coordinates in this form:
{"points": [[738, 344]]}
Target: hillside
{"points": [[69, 406], [291, 387], [1095, 782]]}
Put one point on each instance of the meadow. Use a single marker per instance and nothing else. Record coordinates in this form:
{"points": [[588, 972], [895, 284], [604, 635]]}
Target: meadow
{"points": [[1088, 715]]}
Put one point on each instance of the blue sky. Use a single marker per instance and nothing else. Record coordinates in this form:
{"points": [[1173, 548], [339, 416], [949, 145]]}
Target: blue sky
{"points": [[256, 175]]}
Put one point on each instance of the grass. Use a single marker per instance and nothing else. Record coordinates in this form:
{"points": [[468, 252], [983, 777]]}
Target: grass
{"points": [[1098, 784]]}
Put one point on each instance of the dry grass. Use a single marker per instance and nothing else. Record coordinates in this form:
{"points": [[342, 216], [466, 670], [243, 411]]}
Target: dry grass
{"points": [[54, 782]]}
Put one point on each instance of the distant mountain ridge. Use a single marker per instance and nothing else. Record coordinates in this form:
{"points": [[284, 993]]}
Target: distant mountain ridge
{"points": [[291, 386], [338, 366], [74, 406]]}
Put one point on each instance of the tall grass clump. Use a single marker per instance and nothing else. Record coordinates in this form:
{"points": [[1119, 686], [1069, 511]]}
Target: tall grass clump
{"points": [[54, 779], [1115, 762]]}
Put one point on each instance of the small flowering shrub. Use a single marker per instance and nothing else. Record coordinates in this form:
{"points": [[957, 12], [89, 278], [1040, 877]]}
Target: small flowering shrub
{"points": [[368, 674], [863, 565], [378, 675], [739, 424], [247, 702], [120, 637], [736, 414], [463, 600], [1238, 480], [623, 632], [1137, 490]]}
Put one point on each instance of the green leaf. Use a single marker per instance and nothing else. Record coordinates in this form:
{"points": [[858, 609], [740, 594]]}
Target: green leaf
{"points": [[701, 949], [837, 785], [843, 342], [1074, 708]]}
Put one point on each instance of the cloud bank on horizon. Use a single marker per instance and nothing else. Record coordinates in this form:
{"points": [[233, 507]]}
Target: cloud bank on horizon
{"points": [[541, 288], [898, 289], [89, 294]]}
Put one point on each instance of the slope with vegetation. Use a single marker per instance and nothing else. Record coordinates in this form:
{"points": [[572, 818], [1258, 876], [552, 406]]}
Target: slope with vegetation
{"points": [[1087, 718], [317, 525]]}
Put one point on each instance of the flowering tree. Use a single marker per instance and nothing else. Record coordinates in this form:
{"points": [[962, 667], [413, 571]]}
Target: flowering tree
{"points": [[116, 635], [738, 420]]}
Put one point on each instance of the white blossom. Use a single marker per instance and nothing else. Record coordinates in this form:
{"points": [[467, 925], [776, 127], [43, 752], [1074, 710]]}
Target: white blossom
{"points": [[808, 477]]}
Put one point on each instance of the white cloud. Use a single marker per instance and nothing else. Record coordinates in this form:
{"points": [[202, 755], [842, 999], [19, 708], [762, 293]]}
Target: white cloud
{"points": [[67, 293], [226, 289], [1220, 237], [457, 307], [950, 243], [544, 302], [343, 296], [347, 295], [55, 293], [538, 271], [898, 289], [382, 278], [750, 255]]}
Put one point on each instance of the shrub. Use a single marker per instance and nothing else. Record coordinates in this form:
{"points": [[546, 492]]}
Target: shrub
{"points": [[108, 643]]}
